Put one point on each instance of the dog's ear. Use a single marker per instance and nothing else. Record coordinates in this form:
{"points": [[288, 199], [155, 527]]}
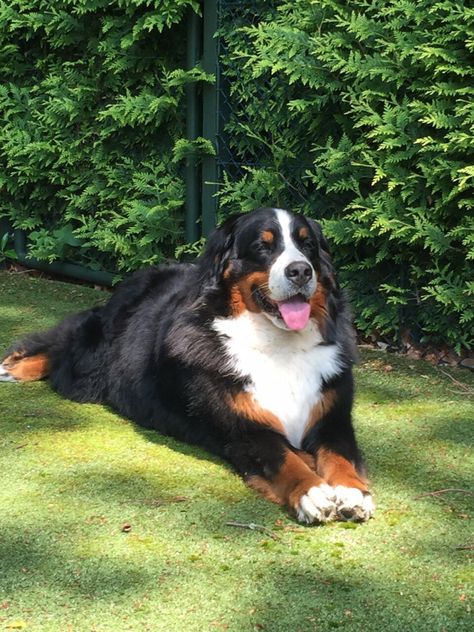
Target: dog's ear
{"points": [[218, 251], [327, 279], [318, 231], [325, 262]]}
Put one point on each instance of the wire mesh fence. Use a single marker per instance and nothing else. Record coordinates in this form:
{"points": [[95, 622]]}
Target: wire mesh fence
{"points": [[232, 16], [240, 148]]}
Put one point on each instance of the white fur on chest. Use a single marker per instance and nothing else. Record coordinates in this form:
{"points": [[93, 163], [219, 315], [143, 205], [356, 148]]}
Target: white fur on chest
{"points": [[286, 368]]}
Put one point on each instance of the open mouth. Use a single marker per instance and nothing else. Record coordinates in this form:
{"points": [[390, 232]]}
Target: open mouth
{"points": [[294, 311]]}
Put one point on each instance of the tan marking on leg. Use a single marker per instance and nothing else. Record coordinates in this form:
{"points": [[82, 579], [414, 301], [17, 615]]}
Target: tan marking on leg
{"points": [[265, 488], [244, 404], [307, 458], [336, 470], [287, 487], [27, 369]]}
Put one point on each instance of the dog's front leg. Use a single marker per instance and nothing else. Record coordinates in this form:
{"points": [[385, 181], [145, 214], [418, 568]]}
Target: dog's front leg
{"points": [[269, 465], [352, 497]]}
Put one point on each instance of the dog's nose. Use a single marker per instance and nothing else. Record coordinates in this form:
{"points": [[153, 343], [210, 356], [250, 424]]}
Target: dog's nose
{"points": [[299, 272]]}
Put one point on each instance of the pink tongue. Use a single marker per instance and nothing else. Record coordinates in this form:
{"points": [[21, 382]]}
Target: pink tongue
{"points": [[295, 313]]}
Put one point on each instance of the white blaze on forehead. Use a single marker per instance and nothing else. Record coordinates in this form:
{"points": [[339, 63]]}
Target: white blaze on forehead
{"points": [[290, 251], [280, 286]]}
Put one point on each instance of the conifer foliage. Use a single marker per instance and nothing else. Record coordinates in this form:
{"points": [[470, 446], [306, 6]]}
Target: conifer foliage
{"points": [[358, 113], [92, 105], [371, 104]]}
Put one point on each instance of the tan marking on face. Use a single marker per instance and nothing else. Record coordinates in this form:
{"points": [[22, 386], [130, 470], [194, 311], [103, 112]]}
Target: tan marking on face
{"points": [[267, 236], [303, 232], [244, 404], [241, 298], [293, 480], [320, 409], [336, 470], [13, 358], [27, 369], [237, 303], [318, 306]]}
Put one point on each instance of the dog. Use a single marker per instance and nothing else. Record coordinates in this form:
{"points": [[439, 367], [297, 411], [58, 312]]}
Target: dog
{"points": [[247, 352]]}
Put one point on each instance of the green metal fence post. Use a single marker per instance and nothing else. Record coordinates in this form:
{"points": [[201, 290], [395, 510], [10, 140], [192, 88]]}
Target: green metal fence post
{"points": [[193, 122], [210, 113]]}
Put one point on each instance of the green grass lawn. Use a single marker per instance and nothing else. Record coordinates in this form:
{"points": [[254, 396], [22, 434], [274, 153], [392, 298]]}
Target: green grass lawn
{"points": [[73, 475]]}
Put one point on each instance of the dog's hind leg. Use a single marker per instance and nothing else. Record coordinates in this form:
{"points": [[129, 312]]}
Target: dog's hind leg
{"points": [[30, 359], [71, 355], [20, 367]]}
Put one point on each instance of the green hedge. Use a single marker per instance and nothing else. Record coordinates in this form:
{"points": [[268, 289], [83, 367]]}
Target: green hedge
{"points": [[362, 113], [92, 106]]}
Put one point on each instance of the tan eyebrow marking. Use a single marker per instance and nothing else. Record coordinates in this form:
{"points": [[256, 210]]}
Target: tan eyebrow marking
{"points": [[268, 236], [303, 232]]}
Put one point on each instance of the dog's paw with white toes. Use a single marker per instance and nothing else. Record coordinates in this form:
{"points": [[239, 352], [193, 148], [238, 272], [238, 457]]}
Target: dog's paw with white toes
{"points": [[352, 505], [317, 505]]}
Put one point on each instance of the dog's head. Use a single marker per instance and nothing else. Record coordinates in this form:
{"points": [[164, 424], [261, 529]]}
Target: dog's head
{"points": [[272, 262]]}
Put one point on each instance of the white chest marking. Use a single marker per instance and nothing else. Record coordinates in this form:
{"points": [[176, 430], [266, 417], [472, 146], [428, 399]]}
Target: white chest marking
{"points": [[285, 368]]}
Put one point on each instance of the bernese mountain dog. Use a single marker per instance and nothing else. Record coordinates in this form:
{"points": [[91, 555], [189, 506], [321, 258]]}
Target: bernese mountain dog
{"points": [[247, 352]]}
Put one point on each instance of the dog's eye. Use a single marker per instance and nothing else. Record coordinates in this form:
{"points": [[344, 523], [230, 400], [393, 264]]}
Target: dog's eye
{"points": [[306, 244], [260, 248], [267, 246]]}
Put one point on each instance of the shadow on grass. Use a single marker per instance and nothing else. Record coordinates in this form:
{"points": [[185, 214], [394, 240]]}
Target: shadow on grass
{"points": [[458, 429], [41, 559], [306, 595]]}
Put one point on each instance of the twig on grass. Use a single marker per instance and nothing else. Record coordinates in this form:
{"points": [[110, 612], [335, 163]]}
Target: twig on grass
{"points": [[465, 547], [465, 389], [253, 527], [437, 492], [25, 271]]}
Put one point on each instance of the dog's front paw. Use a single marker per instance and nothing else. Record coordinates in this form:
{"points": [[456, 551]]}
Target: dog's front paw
{"points": [[317, 505], [352, 505]]}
